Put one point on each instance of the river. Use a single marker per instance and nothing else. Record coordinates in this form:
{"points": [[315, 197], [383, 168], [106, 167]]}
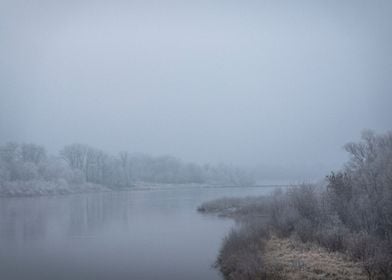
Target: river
{"points": [[133, 235]]}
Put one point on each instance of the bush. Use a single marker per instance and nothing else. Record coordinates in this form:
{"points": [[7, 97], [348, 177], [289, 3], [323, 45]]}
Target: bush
{"points": [[240, 257], [332, 237], [305, 230]]}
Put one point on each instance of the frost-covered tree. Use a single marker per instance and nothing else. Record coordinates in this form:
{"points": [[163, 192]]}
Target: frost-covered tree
{"points": [[32, 153]]}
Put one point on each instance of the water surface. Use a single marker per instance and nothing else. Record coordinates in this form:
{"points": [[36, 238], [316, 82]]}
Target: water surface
{"points": [[139, 235]]}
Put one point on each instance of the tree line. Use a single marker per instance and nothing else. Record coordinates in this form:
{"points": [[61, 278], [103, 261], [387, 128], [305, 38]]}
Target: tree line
{"points": [[79, 163]]}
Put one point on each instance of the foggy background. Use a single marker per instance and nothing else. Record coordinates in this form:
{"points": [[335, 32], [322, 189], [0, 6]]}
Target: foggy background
{"points": [[275, 85]]}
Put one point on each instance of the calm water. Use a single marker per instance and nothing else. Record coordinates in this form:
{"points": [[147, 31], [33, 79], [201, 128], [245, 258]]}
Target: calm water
{"points": [[134, 235]]}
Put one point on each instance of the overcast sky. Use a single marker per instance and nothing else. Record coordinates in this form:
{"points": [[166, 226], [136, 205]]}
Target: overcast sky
{"points": [[279, 83]]}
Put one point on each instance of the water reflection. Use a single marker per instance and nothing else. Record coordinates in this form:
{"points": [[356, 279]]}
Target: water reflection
{"points": [[154, 234]]}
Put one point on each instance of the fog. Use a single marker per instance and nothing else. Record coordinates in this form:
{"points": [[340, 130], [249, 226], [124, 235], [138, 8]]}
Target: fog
{"points": [[276, 85]]}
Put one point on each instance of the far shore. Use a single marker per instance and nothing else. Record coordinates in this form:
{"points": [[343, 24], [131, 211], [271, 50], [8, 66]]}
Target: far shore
{"points": [[39, 188]]}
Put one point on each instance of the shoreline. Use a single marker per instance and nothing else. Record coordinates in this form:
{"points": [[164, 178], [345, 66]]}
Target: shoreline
{"points": [[47, 189], [255, 250]]}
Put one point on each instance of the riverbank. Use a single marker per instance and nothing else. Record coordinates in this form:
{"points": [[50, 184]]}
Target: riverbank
{"points": [[350, 216], [33, 188], [257, 250]]}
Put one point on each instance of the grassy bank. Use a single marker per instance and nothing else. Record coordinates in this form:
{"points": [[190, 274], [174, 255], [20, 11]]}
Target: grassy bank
{"points": [[339, 231], [257, 249]]}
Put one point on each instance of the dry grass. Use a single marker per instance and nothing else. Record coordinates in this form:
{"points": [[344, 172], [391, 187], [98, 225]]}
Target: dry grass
{"points": [[289, 259]]}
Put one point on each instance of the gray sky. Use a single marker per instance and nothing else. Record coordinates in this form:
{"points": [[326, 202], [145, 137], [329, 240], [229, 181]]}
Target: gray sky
{"points": [[277, 83]]}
